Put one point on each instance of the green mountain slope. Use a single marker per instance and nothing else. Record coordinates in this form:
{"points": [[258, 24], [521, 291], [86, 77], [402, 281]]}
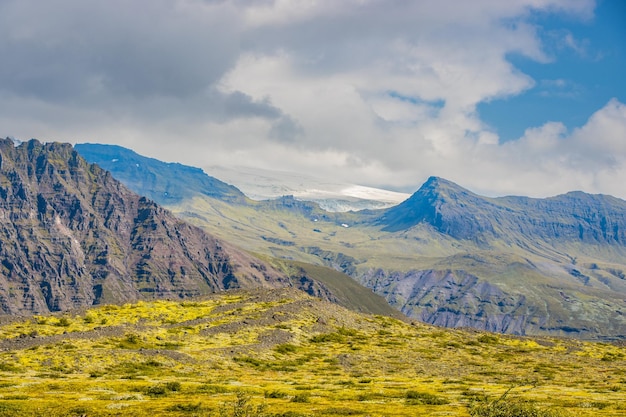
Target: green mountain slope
{"points": [[531, 287], [454, 258]]}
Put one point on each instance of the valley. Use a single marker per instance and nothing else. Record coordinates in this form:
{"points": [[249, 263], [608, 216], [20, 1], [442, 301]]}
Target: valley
{"points": [[445, 256]]}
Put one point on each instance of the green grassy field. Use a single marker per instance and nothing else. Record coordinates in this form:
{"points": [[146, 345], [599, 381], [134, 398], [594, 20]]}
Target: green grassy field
{"points": [[282, 353]]}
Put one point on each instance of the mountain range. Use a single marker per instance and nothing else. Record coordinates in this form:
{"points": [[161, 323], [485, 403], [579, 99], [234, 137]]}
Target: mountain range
{"points": [[445, 255], [169, 183], [72, 235]]}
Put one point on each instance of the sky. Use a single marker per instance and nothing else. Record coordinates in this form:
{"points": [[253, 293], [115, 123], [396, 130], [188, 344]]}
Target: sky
{"points": [[516, 97]]}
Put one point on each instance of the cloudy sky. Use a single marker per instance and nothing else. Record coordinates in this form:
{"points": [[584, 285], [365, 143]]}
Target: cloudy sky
{"points": [[503, 97]]}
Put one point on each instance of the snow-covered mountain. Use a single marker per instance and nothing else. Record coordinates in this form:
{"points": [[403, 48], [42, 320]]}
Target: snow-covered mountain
{"points": [[259, 184]]}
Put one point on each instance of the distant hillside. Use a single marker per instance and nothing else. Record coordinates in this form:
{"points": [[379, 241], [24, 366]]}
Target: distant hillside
{"points": [[450, 257], [454, 211], [165, 183], [171, 183]]}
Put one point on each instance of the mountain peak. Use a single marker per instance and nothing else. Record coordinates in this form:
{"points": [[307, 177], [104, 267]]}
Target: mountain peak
{"points": [[434, 181], [438, 185], [446, 206]]}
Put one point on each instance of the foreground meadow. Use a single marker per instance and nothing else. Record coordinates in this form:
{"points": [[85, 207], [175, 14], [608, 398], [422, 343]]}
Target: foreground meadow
{"points": [[282, 353]]}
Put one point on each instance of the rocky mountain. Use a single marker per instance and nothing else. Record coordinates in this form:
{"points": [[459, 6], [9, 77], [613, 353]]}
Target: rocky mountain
{"points": [[517, 265], [71, 235], [461, 214], [450, 257]]}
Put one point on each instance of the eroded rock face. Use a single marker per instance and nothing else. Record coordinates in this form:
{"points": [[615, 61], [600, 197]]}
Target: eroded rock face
{"points": [[71, 235], [452, 299]]}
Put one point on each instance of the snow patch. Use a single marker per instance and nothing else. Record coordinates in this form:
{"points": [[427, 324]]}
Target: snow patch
{"points": [[334, 196]]}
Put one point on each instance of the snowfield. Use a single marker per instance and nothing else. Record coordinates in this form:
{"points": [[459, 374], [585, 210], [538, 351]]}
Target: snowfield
{"points": [[260, 184]]}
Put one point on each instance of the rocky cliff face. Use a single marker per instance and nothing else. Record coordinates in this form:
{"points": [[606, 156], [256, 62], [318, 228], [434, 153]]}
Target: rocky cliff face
{"points": [[71, 235], [456, 299]]}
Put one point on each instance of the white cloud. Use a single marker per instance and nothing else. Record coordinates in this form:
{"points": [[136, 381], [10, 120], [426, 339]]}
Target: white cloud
{"points": [[376, 92], [549, 160]]}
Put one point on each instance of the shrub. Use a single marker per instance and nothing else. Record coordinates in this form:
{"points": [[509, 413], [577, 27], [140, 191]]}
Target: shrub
{"points": [[16, 397], [163, 389], [8, 367], [275, 394], [347, 332], [301, 398], [242, 408], [611, 357], [63, 322], [249, 360], [156, 390], [370, 396], [171, 345], [131, 369], [173, 386], [286, 348], [415, 397], [79, 411], [185, 407], [7, 409], [488, 339], [212, 389], [328, 337], [507, 407], [130, 341]]}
